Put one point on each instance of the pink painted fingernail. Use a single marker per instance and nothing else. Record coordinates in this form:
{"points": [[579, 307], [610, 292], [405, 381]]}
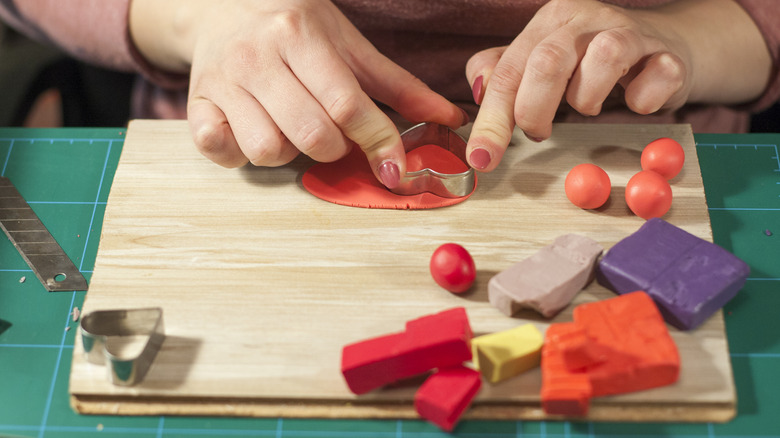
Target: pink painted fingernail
{"points": [[479, 158], [389, 174], [476, 90]]}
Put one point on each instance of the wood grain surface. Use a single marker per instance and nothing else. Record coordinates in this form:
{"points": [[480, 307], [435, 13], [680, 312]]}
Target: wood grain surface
{"points": [[262, 284]]}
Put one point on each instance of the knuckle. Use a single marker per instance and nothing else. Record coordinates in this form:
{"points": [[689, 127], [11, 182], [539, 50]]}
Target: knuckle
{"points": [[262, 149], [345, 109], [672, 68], [376, 140], [505, 80], [497, 133], [209, 139], [312, 139], [549, 60], [495, 126], [290, 20], [610, 47], [293, 21]]}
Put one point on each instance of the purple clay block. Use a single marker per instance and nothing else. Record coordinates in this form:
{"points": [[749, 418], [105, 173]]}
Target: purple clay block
{"points": [[688, 277]]}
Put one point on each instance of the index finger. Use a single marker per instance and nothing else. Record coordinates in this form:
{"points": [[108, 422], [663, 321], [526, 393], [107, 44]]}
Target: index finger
{"points": [[495, 121], [352, 110], [518, 96]]}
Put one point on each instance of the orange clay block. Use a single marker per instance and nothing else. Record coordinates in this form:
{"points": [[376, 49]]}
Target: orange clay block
{"points": [[446, 394], [433, 341], [630, 350], [564, 392], [643, 354], [576, 349]]}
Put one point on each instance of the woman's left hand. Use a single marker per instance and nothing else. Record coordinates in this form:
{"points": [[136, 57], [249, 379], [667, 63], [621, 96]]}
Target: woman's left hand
{"points": [[580, 50]]}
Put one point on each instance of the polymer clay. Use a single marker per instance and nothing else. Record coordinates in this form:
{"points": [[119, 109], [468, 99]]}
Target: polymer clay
{"points": [[432, 341], [446, 394], [549, 279], [507, 353], [349, 181], [613, 346], [688, 277]]}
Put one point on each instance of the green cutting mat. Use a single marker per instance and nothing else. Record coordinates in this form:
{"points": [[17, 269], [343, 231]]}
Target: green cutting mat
{"points": [[65, 175]]}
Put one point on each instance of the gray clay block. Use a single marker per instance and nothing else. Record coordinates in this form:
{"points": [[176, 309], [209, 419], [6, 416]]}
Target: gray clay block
{"points": [[548, 280], [688, 277]]}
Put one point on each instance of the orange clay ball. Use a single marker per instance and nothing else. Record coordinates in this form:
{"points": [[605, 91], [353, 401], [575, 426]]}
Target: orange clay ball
{"points": [[648, 194], [587, 186], [664, 156]]}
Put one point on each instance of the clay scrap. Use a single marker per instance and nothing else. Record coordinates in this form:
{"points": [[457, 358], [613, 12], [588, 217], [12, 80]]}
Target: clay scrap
{"points": [[446, 394], [548, 280]]}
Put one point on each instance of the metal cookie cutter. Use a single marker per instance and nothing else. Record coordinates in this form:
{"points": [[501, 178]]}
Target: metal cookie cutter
{"points": [[446, 185], [112, 337]]}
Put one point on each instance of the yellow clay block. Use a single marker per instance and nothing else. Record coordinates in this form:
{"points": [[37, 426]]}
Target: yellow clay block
{"points": [[505, 354]]}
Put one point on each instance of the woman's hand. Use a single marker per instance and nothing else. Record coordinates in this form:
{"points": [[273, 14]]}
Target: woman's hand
{"points": [[270, 79], [580, 50]]}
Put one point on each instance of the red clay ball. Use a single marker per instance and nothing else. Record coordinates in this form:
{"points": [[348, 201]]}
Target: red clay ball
{"points": [[664, 156], [587, 186], [648, 194], [453, 268]]}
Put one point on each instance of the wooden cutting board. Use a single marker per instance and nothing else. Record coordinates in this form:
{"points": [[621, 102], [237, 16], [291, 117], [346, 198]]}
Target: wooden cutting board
{"points": [[262, 284]]}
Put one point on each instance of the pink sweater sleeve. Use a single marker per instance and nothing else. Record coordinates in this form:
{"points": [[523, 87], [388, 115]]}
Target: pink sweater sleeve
{"points": [[766, 14], [95, 31]]}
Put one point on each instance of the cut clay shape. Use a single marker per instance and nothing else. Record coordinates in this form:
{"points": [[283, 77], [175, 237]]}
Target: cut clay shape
{"points": [[507, 353], [433, 341], [548, 280], [613, 346], [349, 181], [688, 277], [446, 394]]}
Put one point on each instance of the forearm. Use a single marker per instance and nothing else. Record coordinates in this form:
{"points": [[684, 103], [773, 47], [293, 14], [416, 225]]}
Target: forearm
{"points": [[91, 30], [730, 62], [164, 32]]}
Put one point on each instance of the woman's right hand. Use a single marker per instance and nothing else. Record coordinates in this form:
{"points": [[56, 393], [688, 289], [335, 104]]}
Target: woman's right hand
{"points": [[270, 79]]}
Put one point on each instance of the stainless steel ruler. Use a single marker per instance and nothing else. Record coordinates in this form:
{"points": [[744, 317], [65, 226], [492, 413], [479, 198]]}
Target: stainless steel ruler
{"points": [[34, 242]]}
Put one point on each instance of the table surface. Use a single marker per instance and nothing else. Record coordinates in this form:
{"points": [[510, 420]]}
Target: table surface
{"points": [[66, 174]]}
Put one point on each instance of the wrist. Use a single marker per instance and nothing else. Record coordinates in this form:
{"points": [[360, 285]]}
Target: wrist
{"points": [[725, 54]]}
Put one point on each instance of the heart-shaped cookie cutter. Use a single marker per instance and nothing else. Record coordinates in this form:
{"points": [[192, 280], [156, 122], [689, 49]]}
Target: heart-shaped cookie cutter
{"points": [[103, 335], [446, 185]]}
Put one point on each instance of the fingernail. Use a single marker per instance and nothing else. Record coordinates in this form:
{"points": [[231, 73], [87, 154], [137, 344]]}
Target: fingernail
{"points": [[479, 158], [534, 139], [389, 174], [476, 90], [466, 117]]}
